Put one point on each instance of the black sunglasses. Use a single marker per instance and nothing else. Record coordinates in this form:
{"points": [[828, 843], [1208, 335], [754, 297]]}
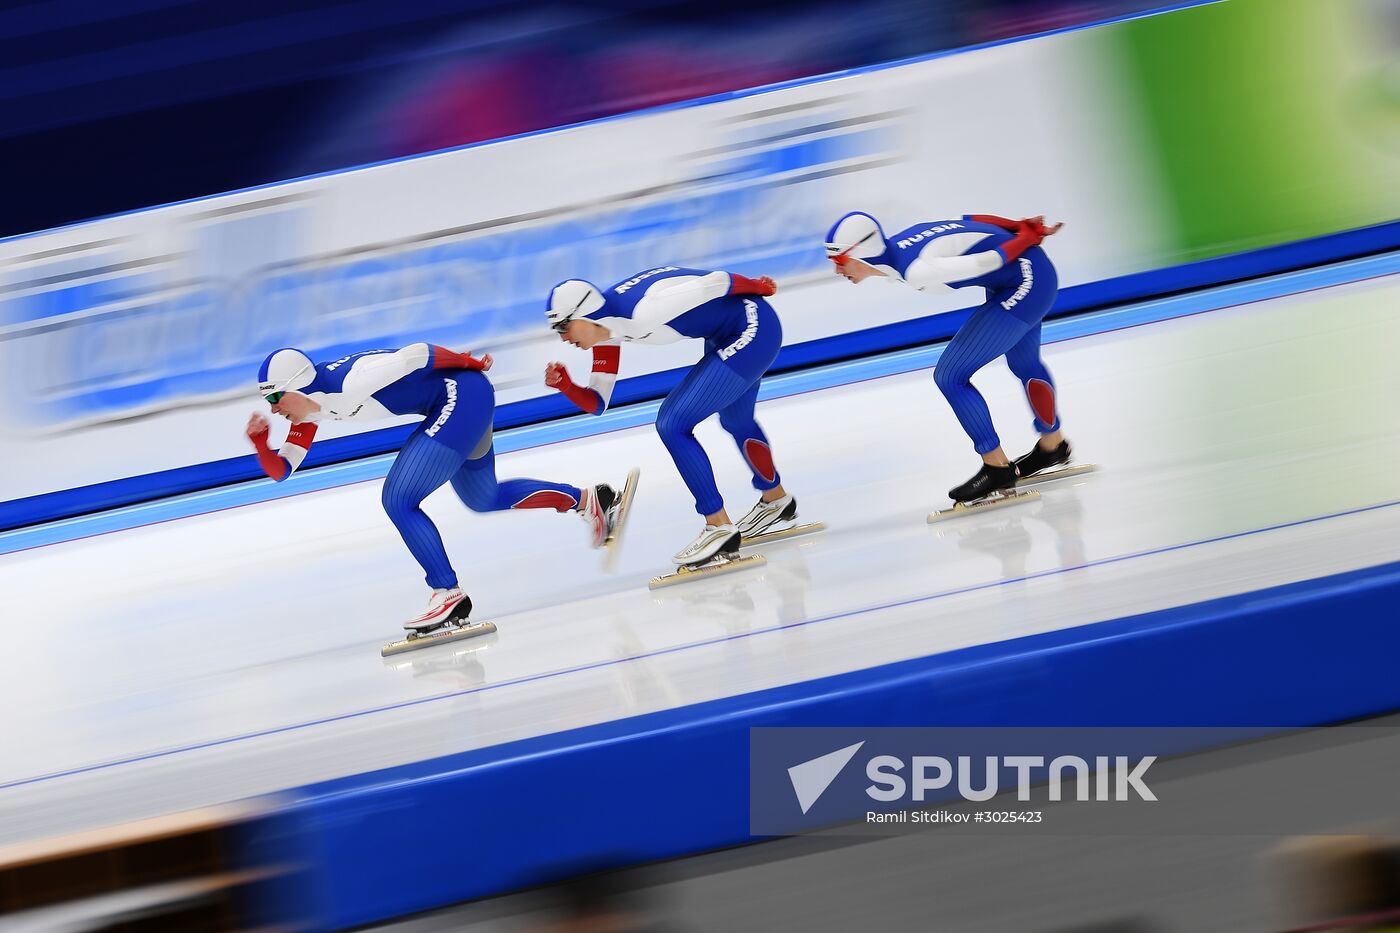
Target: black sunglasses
{"points": [[274, 398]]}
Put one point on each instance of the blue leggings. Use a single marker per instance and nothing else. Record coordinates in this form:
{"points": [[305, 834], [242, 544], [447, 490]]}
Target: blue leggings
{"points": [[461, 452], [725, 381], [994, 331]]}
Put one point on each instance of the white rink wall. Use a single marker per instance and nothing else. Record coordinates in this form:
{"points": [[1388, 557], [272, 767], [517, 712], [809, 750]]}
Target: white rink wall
{"points": [[128, 345], [139, 335]]}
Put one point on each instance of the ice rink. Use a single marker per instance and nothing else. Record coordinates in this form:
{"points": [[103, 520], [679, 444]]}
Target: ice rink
{"points": [[237, 652]]}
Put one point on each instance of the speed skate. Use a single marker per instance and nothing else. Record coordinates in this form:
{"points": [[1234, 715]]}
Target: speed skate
{"points": [[718, 565], [454, 628], [624, 506], [1050, 475], [452, 631], [783, 533], [989, 503]]}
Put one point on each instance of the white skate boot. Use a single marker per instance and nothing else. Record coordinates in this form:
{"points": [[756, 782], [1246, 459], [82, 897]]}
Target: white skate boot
{"points": [[444, 621], [771, 521], [445, 606], [714, 551], [712, 541], [765, 516]]}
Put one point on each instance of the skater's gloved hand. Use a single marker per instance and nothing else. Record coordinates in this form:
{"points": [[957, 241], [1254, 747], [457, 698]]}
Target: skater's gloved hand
{"points": [[584, 398], [742, 285], [272, 464], [557, 377], [1038, 227], [444, 358], [257, 428], [1026, 238]]}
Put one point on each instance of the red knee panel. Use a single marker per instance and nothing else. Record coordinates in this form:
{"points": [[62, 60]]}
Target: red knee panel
{"points": [[1042, 398], [547, 499], [760, 458]]}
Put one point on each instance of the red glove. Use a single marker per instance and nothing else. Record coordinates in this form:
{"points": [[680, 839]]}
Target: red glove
{"points": [[1038, 225], [742, 285], [995, 221], [272, 464], [557, 377], [1027, 235], [444, 358]]}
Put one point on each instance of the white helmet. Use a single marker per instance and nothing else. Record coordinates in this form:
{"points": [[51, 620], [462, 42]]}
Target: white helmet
{"points": [[285, 370], [856, 236], [570, 299]]}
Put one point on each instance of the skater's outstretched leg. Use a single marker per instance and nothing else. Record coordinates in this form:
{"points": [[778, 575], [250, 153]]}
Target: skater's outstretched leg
{"points": [[476, 485], [453, 444]]}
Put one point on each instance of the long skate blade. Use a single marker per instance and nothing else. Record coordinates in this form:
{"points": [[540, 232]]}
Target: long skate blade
{"points": [[610, 548], [687, 574], [794, 531], [440, 637], [1052, 475], [960, 509]]}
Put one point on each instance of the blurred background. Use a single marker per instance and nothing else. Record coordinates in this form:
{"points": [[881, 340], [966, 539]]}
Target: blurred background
{"points": [[1215, 156], [166, 312], [145, 102]]}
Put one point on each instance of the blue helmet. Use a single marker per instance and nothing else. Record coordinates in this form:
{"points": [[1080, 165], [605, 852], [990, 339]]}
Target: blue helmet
{"points": [[570, 299], [857, 235], [285, 370]]}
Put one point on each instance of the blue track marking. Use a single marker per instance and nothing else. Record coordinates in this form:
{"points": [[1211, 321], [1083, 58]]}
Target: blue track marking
{"points": [[1010, 647]]}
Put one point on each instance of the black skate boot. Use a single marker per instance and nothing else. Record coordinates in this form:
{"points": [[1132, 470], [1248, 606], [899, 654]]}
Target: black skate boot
{"points": [[607, 512], [606, 496], [599, 514], [1039, 459], [988, 480]]}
